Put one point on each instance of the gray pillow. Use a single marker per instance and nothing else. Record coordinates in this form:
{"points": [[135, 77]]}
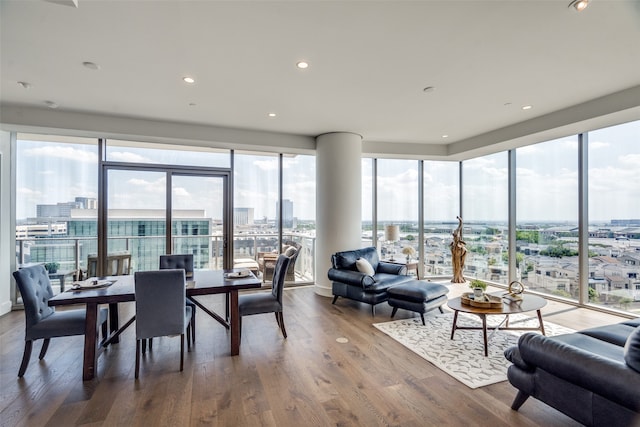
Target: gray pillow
{"points": [[632, 350], [291, 250]]}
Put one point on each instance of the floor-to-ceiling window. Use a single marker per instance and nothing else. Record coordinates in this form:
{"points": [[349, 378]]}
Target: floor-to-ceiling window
{"points": [[547, 217], [56, 194], [614, 217], [441, 207], [397, 205], [367, 202], [299, 211], [485, 215]]}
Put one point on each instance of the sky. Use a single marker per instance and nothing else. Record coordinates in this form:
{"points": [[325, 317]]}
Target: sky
{"points": [[547, 181]]}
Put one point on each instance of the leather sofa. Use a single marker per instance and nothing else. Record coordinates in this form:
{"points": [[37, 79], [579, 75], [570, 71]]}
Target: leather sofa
{"points": [[593, 375], [350, 283]]}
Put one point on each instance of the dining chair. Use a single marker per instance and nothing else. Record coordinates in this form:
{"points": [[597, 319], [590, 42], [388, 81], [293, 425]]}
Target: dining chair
{"points": [[271, 302], [160, 308], [185, 262], [44, 322]]}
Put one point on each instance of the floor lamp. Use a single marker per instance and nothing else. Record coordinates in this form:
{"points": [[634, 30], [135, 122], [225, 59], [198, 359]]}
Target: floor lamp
{"points": [[392, 235]]}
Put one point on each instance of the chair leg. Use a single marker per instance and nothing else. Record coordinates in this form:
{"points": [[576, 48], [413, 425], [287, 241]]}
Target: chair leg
{"points": [[373, 310], [441, 310], [150, 344], [422, 317], [520, 398], [394, 311], [144, 346], [335, 298], [189, 335], [181, 352], [137, 358], [28, 345], [193, 326], [105, 330], [45, 346], [280, 318]]}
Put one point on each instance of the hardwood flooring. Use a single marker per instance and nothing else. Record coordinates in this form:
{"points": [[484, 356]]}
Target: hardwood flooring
{"points": [[309, 379]]}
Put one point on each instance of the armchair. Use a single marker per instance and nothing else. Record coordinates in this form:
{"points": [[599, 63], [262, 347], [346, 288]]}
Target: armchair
{"points": [[267, 261], [350, 283]]}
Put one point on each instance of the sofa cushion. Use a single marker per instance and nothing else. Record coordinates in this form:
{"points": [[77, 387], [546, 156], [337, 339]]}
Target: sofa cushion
{"points": [[365, 267], [632, 350], [346, 260]]}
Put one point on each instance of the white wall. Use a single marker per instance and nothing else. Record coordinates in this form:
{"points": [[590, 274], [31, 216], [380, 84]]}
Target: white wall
{"points": [[5, 226]]}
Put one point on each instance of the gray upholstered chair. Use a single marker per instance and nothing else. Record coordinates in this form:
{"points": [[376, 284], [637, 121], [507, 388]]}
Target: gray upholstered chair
{"points": [[185, 262], [271, 302], [42, 321], [160, 308]]}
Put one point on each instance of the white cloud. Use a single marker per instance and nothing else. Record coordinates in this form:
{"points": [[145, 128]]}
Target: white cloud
{"points": [[595, 145], [266, 165], [125, 156], [62, 152]]}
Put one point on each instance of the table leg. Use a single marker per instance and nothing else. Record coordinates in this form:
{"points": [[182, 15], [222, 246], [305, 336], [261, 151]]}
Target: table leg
{"points": [[455, 322], [62, 284], [540, 320], [484, 333], [90, 341], [235, 322]]}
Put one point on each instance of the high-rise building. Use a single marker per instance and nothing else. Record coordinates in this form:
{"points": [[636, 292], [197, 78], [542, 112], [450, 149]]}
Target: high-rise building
{"points": [[287, 212], [242, 216]]}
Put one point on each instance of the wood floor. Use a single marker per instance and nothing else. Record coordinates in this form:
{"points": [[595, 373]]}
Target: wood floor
{"points": [[309, 379]]}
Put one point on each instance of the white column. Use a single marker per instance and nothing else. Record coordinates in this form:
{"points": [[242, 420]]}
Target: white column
{"points": [[338, 200]]}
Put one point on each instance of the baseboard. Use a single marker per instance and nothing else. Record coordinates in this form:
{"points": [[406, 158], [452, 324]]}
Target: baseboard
{"points": [[5, 307]]}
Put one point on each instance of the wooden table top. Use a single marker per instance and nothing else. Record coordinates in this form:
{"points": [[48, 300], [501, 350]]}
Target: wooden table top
{"points": [[528, 303]]}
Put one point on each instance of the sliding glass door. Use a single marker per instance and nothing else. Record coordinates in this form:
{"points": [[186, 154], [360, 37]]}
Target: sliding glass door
{"points": [[154, 210]]}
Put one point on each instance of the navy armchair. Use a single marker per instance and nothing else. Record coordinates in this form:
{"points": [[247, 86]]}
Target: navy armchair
{"points": [[350, 283]]}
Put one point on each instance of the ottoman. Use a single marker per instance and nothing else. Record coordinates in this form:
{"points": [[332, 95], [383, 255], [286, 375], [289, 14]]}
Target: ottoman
{"points": [[417, 296]]}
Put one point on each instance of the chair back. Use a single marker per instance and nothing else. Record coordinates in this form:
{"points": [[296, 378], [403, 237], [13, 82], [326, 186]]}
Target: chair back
{"points": [[183, 261], [160, 303], [35, 288], [279, 274]]}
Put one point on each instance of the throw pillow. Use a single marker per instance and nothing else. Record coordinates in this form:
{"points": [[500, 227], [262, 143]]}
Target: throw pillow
{"points": [[632, 350], [365, 267]]}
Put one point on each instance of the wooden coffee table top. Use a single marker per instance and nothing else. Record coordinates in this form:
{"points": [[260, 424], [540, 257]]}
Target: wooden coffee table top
{"points": [[528, 303]]}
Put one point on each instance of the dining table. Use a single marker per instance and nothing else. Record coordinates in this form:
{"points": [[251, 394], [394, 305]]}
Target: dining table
{"points": [[118, 289]]}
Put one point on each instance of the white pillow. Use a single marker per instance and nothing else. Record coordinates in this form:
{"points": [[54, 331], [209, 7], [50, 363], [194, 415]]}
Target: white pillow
{"points": [[365, 267]]}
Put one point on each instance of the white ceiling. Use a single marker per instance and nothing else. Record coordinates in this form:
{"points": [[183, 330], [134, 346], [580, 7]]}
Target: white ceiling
{"points": [[369, 62]]}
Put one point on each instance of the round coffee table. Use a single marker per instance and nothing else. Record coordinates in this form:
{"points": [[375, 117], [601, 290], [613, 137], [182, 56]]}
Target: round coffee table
{"points": [[528, 303]]}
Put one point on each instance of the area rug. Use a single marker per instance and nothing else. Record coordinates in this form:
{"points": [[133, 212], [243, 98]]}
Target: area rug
{"points": [[463, 357]]}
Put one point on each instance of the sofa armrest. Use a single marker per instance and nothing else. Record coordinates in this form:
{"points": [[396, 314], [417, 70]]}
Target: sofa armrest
{"points": [[389, 268], [350, 277], [608, 378]]}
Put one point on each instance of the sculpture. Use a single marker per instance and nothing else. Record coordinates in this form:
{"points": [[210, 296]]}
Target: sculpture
{"points": [[458, 254]]}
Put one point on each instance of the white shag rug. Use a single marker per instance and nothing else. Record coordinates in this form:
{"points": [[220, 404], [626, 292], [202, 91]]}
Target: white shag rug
{"points": [[463, 357]]}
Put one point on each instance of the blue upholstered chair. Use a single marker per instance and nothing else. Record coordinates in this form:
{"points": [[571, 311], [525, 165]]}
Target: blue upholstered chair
{"points": [[42, 321], [160, 308], [185, 262], [271, 302]]}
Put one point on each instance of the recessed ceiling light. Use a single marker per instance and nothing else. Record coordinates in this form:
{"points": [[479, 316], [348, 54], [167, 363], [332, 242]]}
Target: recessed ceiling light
{"points": [[188, 80], [429, 89], [91, 65], [25, 85], [445, 136], [527, 107], [271, 114], [302, 64], [51, 104], [192, 104], [507, 104], [579, 5]]}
